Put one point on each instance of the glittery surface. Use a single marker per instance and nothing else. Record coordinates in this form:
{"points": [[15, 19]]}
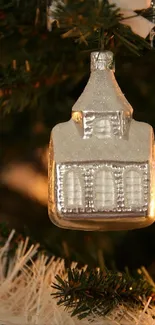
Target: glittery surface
{"points": [[69, 145], [102, 98], [102, 92]]}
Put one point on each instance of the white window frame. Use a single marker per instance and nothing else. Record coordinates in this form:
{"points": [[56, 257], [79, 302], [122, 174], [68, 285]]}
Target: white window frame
{"points": [[98, 195], [137, 202], [73, 199], [105, 129]]}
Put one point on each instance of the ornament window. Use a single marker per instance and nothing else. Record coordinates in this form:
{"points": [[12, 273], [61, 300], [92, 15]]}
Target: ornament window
{"points": [[104, 190], [102, 128], [133, 189], [73, 190]]}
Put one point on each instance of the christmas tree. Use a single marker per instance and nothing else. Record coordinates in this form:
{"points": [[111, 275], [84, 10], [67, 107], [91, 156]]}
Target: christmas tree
{"points": [[45, 59]]}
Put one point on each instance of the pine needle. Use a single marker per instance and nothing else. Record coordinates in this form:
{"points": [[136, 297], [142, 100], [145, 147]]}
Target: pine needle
{"points": [[92, 292], [25, 292], [94, 20]]}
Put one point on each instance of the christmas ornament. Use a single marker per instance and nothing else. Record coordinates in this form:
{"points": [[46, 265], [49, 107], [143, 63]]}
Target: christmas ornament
{"points": [[101, 163]]}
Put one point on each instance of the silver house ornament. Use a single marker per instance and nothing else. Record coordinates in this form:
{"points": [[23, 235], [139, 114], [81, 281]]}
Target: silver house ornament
{"points": [[101, 162]]}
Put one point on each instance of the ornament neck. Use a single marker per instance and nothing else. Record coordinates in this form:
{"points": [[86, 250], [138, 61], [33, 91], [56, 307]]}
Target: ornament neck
{"points": [[102, 61]]}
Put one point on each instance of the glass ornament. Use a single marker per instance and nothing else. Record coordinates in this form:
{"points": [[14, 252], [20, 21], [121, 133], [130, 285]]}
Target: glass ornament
{"points": [[102, 162]]}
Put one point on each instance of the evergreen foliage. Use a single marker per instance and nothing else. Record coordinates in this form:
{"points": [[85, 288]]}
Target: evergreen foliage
{"points": [[97, 22], [36, 63], [96, 293]]}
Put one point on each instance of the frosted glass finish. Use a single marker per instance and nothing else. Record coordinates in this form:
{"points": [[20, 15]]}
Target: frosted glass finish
{"points": [[133, 189], [104, 190], [72, 190], [101, 163], [102, 128]]}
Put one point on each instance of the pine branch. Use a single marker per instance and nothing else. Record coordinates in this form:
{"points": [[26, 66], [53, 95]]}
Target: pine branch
{"points": [[89, 19], [94, 293], [24, 38], [25, 277]]}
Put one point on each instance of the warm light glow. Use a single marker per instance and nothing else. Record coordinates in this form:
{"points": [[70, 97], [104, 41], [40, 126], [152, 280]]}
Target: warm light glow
{"points": [[152, 205], [77, 117], [25, 179]]}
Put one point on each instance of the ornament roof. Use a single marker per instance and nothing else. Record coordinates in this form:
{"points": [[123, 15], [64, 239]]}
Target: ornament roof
{"points": [[137, 148], [102, 93]]}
